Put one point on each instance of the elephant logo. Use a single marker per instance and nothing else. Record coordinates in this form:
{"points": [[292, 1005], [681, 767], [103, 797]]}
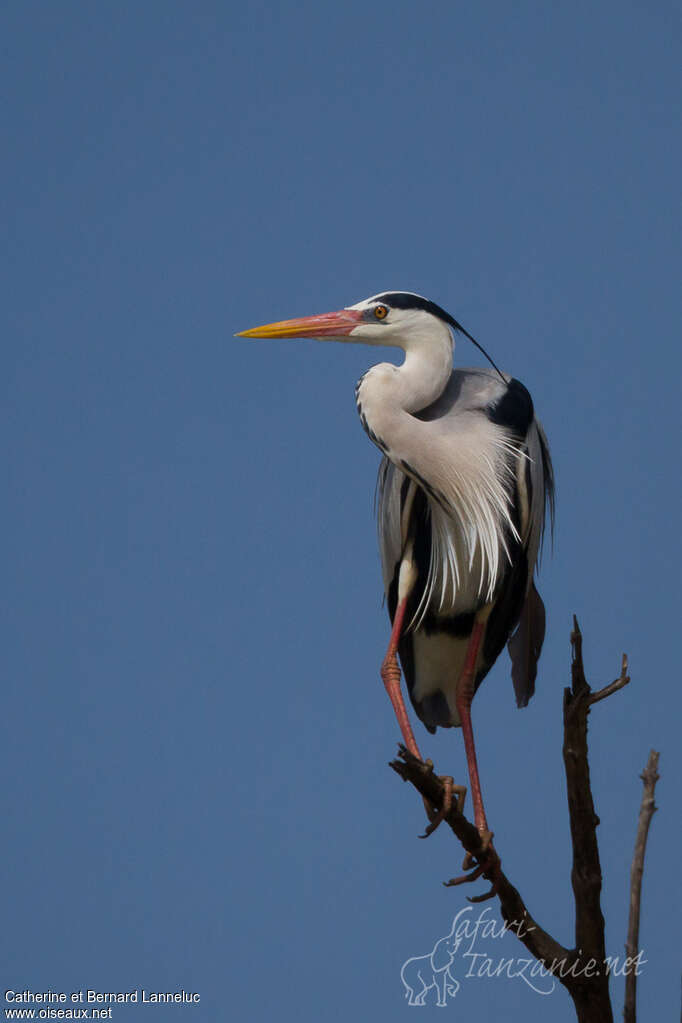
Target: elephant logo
{"points": [[420, 973]]}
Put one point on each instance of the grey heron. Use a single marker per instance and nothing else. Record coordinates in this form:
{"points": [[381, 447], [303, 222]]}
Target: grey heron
{"points": [[464, 484]]}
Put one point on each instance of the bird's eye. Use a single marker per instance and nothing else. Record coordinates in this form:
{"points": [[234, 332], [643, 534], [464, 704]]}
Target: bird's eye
{"points": [[381, 312]]}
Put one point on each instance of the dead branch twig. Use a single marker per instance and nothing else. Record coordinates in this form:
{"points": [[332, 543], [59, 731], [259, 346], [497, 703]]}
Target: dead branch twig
{"points": [[646, 811], [590, 994], [617, 684]]}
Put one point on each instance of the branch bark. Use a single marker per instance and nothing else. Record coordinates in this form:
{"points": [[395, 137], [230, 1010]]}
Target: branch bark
{"points": [[514, 911], [583, 970], [646, 811], [589, 994]]}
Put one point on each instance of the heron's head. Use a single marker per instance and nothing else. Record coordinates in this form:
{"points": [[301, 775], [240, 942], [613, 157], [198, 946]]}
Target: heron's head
{"points": [[395, 318]]}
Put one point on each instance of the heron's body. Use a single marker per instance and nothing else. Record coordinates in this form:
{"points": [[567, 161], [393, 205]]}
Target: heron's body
{"points": [[463, 486], [460, 568]]}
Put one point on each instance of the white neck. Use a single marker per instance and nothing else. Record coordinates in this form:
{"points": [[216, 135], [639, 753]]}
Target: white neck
{"points": [[387, 392], [463, 466], [424, 375]]}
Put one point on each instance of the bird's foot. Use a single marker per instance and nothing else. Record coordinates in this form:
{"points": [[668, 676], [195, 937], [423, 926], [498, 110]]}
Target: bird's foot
{"points": [[449, 790], [436, 817], [486, 863]]}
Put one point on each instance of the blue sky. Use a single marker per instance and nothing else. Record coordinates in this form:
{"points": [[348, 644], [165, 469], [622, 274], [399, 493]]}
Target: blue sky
{"points": [[192, 620]]}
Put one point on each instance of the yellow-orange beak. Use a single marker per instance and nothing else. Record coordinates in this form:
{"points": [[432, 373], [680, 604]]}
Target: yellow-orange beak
{"points": [[337, 324]]}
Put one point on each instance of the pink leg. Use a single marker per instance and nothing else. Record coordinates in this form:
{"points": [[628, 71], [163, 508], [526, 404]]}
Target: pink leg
{"points": [[390, 673], [489, 865], [465, 694]]}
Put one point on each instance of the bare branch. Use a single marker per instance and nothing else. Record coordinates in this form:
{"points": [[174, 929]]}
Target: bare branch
{"points": [[586, 877], [617, 684], [514, 912], [646, 811]]}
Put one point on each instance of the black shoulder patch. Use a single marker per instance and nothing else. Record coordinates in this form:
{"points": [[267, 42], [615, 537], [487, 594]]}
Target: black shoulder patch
{"points": [[514, 409]]}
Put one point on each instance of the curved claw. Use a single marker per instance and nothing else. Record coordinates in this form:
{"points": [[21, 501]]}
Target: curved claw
{"points": [[493, 872], [465, 878], [470, 860], [488, 866], [449, 789], [437, 818], [486, 895]]}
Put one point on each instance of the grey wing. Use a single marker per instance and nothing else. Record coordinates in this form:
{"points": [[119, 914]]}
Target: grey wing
{"points": [[389, 484], [541, 487], [526, 642]]}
